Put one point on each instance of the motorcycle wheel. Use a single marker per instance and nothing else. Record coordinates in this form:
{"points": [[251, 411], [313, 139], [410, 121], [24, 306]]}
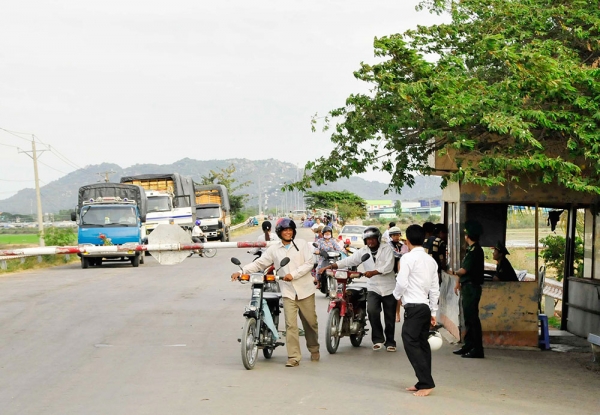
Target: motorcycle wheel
{"points": [[209, 252], [268, 352], [356, 339], [249, 347], [331, 334]]}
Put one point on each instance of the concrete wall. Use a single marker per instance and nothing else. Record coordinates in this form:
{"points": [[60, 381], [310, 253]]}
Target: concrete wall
{"points": [[583, 293]]}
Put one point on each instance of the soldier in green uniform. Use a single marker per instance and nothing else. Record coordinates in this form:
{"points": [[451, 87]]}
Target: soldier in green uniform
{"points": [[504, 269], [469, 282]]}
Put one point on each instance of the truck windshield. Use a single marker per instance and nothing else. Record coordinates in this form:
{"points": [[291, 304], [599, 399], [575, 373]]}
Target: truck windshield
{"points": [[159, 204], [101, 216], [208, 212]]}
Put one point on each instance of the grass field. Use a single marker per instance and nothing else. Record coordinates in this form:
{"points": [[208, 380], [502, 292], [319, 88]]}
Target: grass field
{"points": [[19, 239]]}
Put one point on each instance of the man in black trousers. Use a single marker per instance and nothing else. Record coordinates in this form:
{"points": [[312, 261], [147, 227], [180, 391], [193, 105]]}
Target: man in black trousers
{"points": [[469, 282], [417, 288]]}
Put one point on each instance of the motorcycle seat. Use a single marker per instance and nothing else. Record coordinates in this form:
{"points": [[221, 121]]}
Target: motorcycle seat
{"points": [[357, 287], [271, 296]]}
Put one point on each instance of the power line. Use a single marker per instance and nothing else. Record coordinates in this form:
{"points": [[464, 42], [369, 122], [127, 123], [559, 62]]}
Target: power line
{"points": [[9, 145], [58, 154], [16, 134]]}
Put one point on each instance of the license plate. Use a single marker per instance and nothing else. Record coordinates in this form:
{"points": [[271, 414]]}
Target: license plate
{"points": [[354, 238]]}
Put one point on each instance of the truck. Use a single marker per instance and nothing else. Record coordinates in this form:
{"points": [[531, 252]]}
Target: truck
{"points": [[170, 199], [213, 210], [110, 214]]}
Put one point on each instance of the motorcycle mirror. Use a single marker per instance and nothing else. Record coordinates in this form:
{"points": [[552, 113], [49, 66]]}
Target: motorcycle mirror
{"points": [[365, 257], [284, 262], [235, 261]]}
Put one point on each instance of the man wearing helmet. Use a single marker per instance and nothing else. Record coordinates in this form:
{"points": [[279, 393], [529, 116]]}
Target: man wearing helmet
{"points": [[380, 286], [418, 289], [297, 288], [326, 244], [197, 236]]}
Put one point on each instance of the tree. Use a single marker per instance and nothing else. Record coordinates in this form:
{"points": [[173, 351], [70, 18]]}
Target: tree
{"points": [[225, 177], [347, 204], [398, 208], [506, 88]]}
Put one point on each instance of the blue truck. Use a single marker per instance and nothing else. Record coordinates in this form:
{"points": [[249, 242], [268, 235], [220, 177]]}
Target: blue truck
{"points": [[110, 214]]}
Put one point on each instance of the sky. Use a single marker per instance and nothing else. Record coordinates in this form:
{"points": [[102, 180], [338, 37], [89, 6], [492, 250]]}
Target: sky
{"points": [[150, 81]]}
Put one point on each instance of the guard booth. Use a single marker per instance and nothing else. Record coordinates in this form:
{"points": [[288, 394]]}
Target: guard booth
{"points": [[509, 310]]}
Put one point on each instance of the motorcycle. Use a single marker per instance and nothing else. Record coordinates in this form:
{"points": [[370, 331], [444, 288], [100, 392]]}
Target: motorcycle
{"points": [[262, 316], [270, 286], [348, 310]]}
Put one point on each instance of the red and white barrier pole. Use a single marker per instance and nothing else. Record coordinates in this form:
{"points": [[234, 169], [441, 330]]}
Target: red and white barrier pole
{"points": [[129, 248]]}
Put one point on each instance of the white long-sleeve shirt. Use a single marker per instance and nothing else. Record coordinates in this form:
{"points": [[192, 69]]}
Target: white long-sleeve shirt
{"points": [[417, 281], [299, 267], [383, 284]]}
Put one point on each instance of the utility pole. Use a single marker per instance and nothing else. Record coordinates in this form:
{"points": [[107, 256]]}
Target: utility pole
{"points": [[40, 216], [259, 195], [105, 174]]}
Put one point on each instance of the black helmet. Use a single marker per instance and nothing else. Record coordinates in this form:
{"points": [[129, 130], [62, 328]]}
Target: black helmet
{"points": [[371, 232], [285, 223], [266, 226], [327, 229]]}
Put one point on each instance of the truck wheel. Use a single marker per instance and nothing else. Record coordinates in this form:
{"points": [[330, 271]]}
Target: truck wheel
{"points": [[135, 261], [85, 262]]}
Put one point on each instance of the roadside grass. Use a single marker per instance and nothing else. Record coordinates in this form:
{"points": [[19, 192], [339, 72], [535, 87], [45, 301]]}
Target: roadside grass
{"points": [[36, 262], [245, 230], [19, 239]]}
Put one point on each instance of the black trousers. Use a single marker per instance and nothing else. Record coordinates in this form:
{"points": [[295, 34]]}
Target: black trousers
{"points": [[415, 332], [470, 296], [375, 303]]}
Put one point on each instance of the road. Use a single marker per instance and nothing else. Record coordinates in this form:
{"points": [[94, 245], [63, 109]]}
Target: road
{"points": [[163, 340]]}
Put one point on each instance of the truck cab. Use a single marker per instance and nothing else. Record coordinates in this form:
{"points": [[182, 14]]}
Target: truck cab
{"points": [[110, 220], [210, 215]]}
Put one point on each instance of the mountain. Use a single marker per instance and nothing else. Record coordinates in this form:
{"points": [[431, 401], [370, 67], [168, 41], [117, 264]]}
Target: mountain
{"points": [[270, 174]]}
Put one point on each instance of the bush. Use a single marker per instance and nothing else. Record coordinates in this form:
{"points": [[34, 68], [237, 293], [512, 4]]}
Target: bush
{"points": [[59, 236], [553, 254]]}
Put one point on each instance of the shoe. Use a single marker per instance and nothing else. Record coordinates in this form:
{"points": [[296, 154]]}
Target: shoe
{"points": [[292, 363], [315, 357], [378, 346], [391, 348], [460, 351], [474, 354]]}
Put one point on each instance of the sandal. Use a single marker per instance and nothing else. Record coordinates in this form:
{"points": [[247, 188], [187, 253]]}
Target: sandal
{"points": [[391, 348], [377, 346]]}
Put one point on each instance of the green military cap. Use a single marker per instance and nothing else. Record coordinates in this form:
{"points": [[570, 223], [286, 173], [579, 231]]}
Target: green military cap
{"points": [[473, 228], [501, 248]]}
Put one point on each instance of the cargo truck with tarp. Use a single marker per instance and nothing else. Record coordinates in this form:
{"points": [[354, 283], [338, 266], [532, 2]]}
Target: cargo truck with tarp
{"points": [[110, 214], [170, 199], [213, 210]]}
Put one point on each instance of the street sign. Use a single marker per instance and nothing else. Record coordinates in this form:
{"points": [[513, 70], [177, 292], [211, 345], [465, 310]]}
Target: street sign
{"points": [[169, 234]]}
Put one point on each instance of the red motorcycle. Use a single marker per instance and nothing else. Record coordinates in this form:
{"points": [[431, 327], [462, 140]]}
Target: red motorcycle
{"points": [[347, 310]]}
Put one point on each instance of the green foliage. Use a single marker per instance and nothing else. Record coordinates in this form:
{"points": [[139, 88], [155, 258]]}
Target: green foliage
{"points": [[224, 176], [59, 236], [347, 204], [513, 91], [433, 218], [553, 254], [398, 208]]}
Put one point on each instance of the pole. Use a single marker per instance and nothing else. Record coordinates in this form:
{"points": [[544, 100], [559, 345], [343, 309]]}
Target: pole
{"points": [[40, 217], [259, 195]]}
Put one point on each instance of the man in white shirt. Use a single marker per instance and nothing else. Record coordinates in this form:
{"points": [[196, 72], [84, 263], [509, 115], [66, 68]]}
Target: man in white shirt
{"points": [[417, 287], [380, 272], [297, 289]]}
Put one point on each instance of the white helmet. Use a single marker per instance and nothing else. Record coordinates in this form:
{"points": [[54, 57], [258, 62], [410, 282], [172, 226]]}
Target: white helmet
{"points": [[435, 340]]}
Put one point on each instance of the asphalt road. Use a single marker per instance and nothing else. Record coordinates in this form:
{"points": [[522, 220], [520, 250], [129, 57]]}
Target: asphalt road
{"points": [[163, 340]]}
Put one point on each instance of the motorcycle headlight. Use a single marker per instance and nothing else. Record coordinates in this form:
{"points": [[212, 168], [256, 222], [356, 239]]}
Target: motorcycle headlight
{"points": [[256, 278]]}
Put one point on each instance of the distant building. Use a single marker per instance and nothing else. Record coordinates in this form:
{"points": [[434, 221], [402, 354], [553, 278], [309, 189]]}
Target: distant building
{"points": [[379, 204]]}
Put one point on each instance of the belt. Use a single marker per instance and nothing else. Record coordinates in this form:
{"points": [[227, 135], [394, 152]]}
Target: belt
{"points": [[411, 305]]}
